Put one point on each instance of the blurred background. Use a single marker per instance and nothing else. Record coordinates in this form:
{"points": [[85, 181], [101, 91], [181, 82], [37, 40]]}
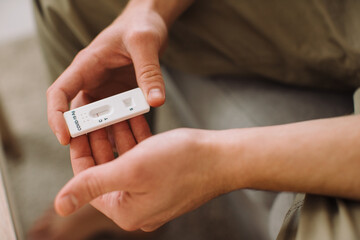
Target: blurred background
{"points": [[44, 166]]}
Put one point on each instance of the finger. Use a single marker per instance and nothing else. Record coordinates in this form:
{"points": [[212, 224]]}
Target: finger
{"points": [[124, 138], [90, 184], [144, 52], [84, 70], [56, 121], [80, 154], [111, 138], [140, 128], [80, 151], [101, 146], [80, 99]]}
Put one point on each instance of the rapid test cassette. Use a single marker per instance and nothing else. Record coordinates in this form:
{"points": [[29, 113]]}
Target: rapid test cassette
{"points": [[106, 112]]}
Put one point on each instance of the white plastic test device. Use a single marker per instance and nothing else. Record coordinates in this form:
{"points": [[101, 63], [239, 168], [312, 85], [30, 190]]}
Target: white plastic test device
{"points": [[106, 112]]}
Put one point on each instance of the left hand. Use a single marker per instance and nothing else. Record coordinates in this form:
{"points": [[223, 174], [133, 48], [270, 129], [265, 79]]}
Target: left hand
{"points": [[157, 180], [124, 55]]}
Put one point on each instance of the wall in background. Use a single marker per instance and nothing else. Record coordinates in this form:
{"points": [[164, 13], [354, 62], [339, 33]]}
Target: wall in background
{"points": [[16, 19]]}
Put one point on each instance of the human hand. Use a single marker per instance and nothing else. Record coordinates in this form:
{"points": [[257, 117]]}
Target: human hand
{"points": [[157, 180], [124, 55]]}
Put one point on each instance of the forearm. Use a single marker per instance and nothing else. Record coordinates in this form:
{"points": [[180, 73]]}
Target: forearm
{"points": [[320, 157]]}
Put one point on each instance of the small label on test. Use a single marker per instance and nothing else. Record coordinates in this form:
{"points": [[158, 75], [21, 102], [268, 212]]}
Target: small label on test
{"points": [[106, 112]]}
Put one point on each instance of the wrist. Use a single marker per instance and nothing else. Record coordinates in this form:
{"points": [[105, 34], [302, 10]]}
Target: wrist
{"points": [[168, 10], [236, 163]]}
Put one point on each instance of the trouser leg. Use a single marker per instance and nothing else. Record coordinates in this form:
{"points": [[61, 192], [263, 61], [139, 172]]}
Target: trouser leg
{"points": [[67, 26]]}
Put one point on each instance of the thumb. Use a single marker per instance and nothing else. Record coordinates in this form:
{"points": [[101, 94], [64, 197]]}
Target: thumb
{"points": [[145, 56], [90, 184]]}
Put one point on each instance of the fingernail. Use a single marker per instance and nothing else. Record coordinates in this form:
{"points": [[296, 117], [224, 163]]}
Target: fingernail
{"points": [[58, 137], [68, 204], [155, 93]]}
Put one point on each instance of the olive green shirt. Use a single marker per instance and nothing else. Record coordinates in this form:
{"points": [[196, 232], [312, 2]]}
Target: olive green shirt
{"points": [[307, 43]]}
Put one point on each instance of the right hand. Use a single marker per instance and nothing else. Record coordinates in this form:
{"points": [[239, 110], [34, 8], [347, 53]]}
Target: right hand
{"points": [[124, 55], [154, 180]]}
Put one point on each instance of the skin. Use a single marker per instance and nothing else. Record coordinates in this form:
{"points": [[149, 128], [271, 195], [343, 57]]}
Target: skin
{"points": [[124, 55], [157, 178]]}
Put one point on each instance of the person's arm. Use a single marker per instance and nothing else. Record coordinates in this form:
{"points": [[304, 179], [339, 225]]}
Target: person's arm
{"points": [[172, 173], [319, 157], [122, 56]]}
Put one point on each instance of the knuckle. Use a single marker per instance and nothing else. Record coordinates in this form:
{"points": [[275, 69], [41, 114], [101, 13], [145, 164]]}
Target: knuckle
{"points": [[153, 225], [141, 35], [149, 228], [92, 185], [150, 73], [88, 55], [82, 53], [128, 226]]}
